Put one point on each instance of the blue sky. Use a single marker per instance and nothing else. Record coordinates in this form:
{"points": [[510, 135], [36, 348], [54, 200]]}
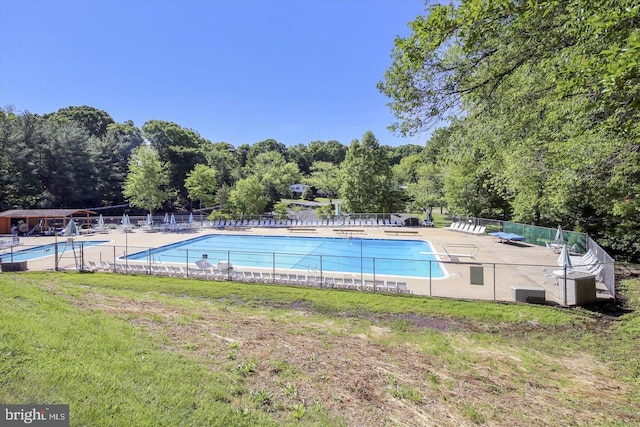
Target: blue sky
{"points": [[235, 71]]}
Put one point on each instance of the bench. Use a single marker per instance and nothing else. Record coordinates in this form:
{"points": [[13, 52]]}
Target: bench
{"points": [[530, 294], [396, 232], [308, 230], [237, 228]]}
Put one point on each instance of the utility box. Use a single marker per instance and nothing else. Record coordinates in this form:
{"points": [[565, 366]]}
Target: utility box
{"points": [[13, 266], [476, 275], [580, 289]]}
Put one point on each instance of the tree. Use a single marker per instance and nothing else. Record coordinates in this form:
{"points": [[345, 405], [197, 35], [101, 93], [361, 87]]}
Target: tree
{"points": [[299, 154], [547, 93], [94, 121], [274, 173], [423, 182], [45, 162], [110, 156], [263, 147], [366, 177], [223, 158], [179, 150], [331, 151], [247, 198], [325, 177], [147, 178], [201, 184], [307, 194], [281, 210]]}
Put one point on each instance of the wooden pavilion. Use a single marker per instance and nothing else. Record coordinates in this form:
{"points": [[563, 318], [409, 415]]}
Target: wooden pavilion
{"points": [[27, 220]]}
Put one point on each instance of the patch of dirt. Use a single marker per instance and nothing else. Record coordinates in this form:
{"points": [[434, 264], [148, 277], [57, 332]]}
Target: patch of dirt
{"points": [[362, 378]]}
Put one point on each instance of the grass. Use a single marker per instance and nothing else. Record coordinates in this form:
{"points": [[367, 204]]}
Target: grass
{"points": [[321, 301], [109, 372], [125, 350]]}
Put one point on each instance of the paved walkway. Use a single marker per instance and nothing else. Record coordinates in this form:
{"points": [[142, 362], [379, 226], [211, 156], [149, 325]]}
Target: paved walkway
{"points": [[495, 268]]}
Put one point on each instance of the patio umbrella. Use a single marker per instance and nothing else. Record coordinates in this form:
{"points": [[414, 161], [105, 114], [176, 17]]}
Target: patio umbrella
{"points": [[101, 221], [564, 260], [559, 237], [71, 229], [172, 220], [166, 218], [191, 217]]}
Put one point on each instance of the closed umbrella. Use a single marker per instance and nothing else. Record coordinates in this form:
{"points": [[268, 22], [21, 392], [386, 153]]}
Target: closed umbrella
{"points": [[149, 219], [559, 237], [166, 218], [71, 229], [564, 260], [191, 217], [172, 220], [101, 221], [124, 219], [337, 209]]}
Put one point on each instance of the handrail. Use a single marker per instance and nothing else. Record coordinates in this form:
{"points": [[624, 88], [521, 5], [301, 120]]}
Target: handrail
{"points": [[472, 254], [474, 249]]}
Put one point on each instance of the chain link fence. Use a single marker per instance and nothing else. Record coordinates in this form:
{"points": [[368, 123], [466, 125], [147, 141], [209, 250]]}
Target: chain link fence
{"points": [[447, 279]]}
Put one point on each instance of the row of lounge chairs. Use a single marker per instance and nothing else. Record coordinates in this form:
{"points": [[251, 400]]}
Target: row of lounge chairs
{"points": [[9, 242], [213, 272], [588, 263], [371, 222], [173, 227], [467, 227]]}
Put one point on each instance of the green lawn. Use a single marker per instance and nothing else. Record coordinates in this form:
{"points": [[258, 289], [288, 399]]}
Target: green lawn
{"points": [[131, 350]]}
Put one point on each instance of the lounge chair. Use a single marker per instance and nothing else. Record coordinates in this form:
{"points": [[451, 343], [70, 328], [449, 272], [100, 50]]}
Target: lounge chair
{"points": [[548, 274], [402, 288], [480, 229]]}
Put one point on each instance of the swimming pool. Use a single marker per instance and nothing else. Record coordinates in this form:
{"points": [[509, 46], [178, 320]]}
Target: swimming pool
{"points": [[331, 254], [42, 251]]}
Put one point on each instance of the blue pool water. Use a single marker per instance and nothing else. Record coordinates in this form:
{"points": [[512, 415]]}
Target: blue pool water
{"points": [[352, 255], [42, 251]]}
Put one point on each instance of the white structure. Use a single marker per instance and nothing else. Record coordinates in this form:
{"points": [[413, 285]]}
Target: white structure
{"points": [[298, 188]]}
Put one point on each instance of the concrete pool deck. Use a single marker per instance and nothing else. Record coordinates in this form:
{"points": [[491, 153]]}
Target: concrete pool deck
{"points": [[494, 270]]}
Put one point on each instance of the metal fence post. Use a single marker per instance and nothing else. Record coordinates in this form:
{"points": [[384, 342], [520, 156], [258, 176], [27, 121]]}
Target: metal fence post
{"points": [[494, 281], [430, 274], [374, 274], [81, 256], [55, 254], [565, 284]]}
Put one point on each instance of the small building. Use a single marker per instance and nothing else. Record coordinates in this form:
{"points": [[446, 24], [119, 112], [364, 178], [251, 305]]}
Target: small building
{"points": [[298, 188], [26, 220]]}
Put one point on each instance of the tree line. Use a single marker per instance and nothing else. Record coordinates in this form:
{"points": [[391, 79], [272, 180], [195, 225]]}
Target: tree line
{"points": [[79, 156]]}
